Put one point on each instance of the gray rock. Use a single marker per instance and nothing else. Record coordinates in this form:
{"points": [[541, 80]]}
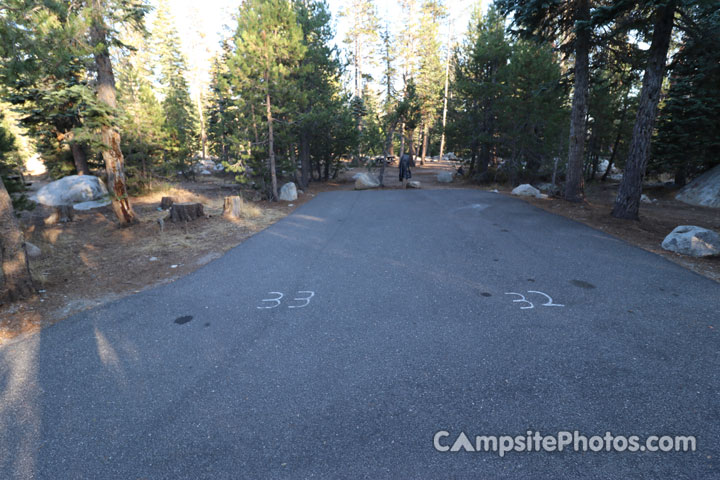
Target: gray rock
{"points": [[645, 199], [413, 184], [445, 177], [526, 190], [32, 250], [288, 192], [71, 190], [704, 191], [693, 241], [364, 181]]}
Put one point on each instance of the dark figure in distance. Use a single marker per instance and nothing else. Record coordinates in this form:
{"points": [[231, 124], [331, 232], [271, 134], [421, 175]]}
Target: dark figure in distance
{"points": [[405, 173]]}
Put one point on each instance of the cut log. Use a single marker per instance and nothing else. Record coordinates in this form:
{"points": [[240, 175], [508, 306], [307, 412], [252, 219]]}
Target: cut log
{"points": [[62, 214], [186, 212], [233, 207], [167, 202]]}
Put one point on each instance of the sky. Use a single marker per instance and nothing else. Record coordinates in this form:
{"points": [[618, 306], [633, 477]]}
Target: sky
{"points": [[204, 23]]}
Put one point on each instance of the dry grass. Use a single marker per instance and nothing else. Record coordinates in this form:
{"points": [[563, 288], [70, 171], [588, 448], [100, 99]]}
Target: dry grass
{"points": [[91, 260]]}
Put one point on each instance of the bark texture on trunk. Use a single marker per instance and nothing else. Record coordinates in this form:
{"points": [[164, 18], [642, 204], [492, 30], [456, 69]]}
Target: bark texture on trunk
{"points": [[304, 160], [16, 282], [574, 185], [186, 212], [271, 142], [80, 158], [110, 137], [424, 144], [627, 203]]}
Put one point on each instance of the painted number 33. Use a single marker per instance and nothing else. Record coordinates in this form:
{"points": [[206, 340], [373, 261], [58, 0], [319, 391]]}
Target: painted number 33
{"points": [[302, 300]]}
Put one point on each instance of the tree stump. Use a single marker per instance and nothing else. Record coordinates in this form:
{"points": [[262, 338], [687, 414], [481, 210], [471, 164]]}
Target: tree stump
{"points": [[233, 207], [167, 202], [186, 212], [62, 214]]}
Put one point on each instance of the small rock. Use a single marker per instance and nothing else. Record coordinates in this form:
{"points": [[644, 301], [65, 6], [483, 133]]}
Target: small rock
{"points": [[645, 199], [445, 177], [153, 259], [526, 190], [173, 266], [693, 241], [413, 184], [288, 192], [32, 250]]}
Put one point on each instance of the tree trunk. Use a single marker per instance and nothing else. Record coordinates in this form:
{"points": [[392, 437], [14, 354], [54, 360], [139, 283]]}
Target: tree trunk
{"points": [[186, 212], [16, 282], [616, 145], [627, 202], [574, 188], [80, 158], [424, 144], [271, 141], [110, 137], [445, 104], [304, 160], [203, 134], [233, 207]]}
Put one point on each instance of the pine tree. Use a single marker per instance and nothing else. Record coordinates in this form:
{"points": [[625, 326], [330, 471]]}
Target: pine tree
{"points": [[687, 141], [627, 203], [142, 115], [361, 37], [180, 125], [268, 46], [480, 84], [430, 76], [567, 22]]}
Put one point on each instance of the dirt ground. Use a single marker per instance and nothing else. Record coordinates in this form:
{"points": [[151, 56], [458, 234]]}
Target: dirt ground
{"points": [[91, 260]]}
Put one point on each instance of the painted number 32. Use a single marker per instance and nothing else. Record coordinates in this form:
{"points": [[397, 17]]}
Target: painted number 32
{"points": [[526, 304], [301, 301]]}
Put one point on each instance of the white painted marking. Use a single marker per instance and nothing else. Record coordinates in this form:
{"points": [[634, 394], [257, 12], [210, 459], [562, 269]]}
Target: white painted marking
{"points": [[276, 300], [301, 299], [522, 299], [550, 300]]}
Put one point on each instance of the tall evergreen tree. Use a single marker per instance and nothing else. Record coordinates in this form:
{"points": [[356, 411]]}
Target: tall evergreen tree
{"points": [[268, 46], [430, 76], [687, 141], [567, 22], [180, 125], [361, 37]]}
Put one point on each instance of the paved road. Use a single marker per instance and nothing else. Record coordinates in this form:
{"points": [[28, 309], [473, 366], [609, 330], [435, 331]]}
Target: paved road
{"points": [[409, 330]]}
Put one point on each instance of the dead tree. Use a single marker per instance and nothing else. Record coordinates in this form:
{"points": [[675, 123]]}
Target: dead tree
{"points": [[233, 207]]}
